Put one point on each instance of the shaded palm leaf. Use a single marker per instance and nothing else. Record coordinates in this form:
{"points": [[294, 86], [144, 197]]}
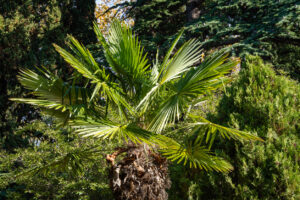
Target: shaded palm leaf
{"points": [[72, 162]]}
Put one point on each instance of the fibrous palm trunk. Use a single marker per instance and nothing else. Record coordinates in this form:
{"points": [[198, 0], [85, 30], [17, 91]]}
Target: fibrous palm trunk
{"points": [[140, 175]]}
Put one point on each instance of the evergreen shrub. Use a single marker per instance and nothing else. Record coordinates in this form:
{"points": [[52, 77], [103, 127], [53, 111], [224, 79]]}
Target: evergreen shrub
{"points": [[257, 101]]}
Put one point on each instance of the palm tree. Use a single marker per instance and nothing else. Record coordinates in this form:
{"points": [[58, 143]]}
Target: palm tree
{"points": [[138, 105]]}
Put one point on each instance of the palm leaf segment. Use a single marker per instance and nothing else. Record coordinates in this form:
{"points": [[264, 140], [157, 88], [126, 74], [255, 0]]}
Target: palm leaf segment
{"points": [[55, 96], [86, 65], [194, 154], [142, 101], [125, 56]]}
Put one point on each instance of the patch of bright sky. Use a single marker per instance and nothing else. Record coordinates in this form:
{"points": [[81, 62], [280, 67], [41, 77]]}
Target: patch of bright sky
{"points": [[109, 4]]}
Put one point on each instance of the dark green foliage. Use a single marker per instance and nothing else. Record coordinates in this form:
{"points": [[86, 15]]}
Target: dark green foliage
{"points": [[269, 101], [27, 31], [268, 28], [83, 178], [257, 101], [156, 20]]}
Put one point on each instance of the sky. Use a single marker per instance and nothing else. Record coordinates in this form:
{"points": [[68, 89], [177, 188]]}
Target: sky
{"points": [[110, 4]]}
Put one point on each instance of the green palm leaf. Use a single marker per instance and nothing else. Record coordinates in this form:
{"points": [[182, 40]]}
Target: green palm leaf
{"points": [[193, 154], [197, 81], [209, 131], [187, 55], [54, 94], [125, 55], [85, 64], [88, 127], [171, 68]]}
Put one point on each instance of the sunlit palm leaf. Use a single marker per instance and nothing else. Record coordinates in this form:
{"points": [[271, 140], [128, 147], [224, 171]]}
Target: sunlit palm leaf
{"points": [[88, 127], [187, 55], [193, 154], [170, 51], [209, 130], [90, 69], [85, 64], [125, 55], [197, 81], [53, 93], [207, 77], [168, 113], [171, 68]]}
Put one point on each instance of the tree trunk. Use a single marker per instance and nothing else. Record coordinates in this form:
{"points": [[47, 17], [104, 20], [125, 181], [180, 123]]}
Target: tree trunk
{"points": [[140, 175]]}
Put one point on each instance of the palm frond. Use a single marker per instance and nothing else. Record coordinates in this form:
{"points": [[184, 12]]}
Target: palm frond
{"points": [[53, 94], [197, 81], [125, 55], [171, 68], [209, 130], [145, 102], [114, 94], [88, 127], [85, 64], [193, 154], [170, 51], [207, 77], [187, 55], [167, 113]]}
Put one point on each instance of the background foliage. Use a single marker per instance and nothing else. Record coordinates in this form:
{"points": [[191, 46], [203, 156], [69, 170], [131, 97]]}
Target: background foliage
{"points": [[257, 101], [84, 180], [267, 28], [105, 14], [27, 31]]}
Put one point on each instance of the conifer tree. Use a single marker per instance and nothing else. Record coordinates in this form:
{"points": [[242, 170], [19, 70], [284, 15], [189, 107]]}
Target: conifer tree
{"points": [[257, 101], [27, 31], [268, 28]]}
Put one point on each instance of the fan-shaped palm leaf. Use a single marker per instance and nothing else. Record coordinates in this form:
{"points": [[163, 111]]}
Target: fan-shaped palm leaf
{"points": [[53, 93], [197, 81], [85, 64], [195, 155], [125, 55], [171, 68], [111, 130]]}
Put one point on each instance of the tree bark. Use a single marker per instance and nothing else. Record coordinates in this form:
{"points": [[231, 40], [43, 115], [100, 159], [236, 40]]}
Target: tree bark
{"points": [[140, 175]]}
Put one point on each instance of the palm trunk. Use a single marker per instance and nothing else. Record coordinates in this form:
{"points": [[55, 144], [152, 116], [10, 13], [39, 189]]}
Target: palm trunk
{"points": [[140, 175]]}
